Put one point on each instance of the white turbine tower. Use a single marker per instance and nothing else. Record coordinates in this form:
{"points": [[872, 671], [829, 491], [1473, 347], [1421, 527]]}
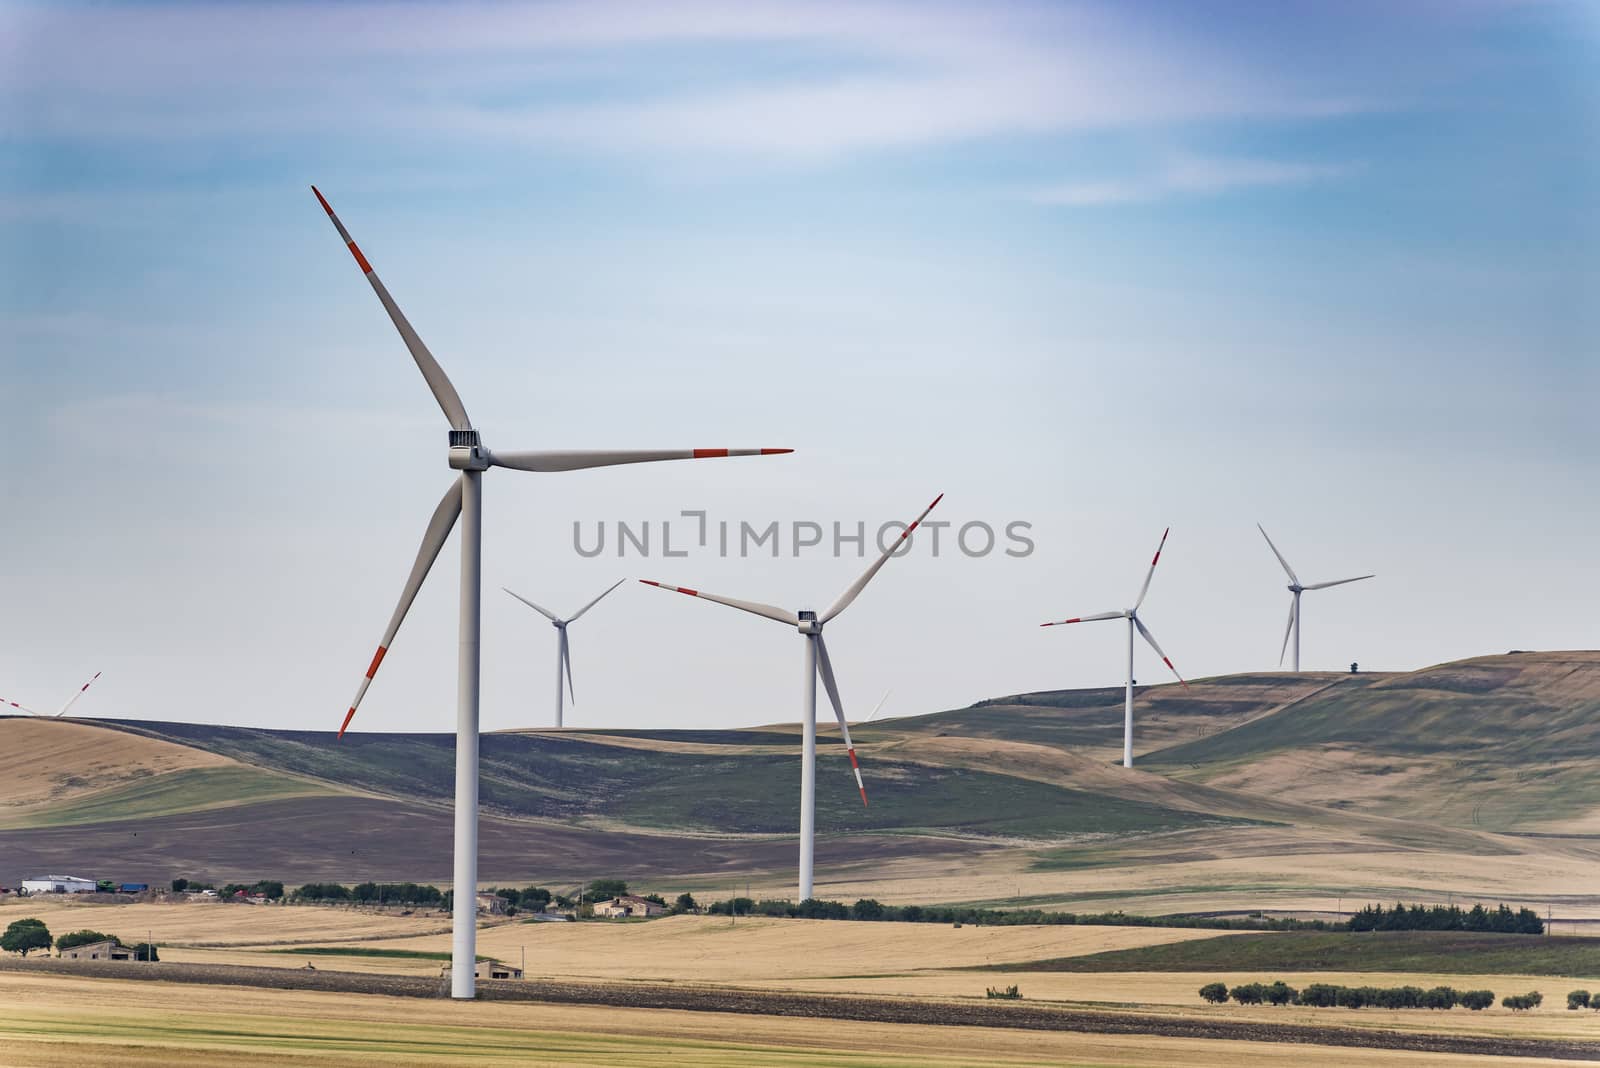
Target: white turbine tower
{"points": [[1134, 623], [63, 709], [810, 625], [464, 499], [1296, 588], [563, 650]]}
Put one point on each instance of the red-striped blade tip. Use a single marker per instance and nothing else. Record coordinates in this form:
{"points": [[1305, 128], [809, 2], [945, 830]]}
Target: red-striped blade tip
{"points": [[322, 200], [775, 452], [674, 589], [935, 503], [864, 804], [348, 716]]}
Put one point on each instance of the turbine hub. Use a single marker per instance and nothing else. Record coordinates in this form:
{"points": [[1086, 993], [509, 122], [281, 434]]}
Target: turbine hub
{"points": [[1296, 589], [467, 452], [809, 623]]}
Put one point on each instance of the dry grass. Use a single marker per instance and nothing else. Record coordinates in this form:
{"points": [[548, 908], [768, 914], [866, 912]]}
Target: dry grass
{"points": [[74, 1022], [47, 762], [217, 923]]}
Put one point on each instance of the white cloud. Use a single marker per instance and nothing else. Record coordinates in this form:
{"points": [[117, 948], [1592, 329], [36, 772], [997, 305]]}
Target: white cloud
{"points": [[581, 75], [1189, 176]]}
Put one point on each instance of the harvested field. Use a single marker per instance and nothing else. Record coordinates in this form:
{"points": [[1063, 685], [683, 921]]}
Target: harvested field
{"points": [[45, 763], [948, 1018], [215, 923], [357, 838]]}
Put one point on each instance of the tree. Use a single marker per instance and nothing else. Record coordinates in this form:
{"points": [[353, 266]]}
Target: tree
{"points": [[1248, 993], [146, 951], [1477, 999], [1578, 999], [179, 885], [1281, 993], [83, 938], [604, 889], [25, 936], [867, 909], [1216, 993], [1440, 997], [685, 903]]}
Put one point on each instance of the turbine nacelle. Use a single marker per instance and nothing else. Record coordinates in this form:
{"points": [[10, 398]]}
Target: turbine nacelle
{"points": [[467, 452], [807, 622]]}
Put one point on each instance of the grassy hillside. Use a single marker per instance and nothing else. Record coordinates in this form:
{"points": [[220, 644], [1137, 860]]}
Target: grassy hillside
{"points": [[1502, 742], [1442, 952], [548, 776]]}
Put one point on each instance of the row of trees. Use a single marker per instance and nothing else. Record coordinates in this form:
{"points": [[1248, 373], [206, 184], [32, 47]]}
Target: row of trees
{"points": [[1500, 920], [1329, 995], [370, 893], [871, 909], [28, 935]]}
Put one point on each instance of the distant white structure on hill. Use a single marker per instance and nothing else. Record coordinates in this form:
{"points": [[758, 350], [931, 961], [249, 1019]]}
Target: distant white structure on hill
{"points": [[629, 905], [58, 884]]}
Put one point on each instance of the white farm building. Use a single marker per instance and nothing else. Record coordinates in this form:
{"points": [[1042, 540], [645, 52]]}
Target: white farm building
{"points": [[58, 884]]}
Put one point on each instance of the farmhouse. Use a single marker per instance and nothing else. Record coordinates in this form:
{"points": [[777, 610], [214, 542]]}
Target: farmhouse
{"points": [[107, 950], [58, 884], [629, 905]]}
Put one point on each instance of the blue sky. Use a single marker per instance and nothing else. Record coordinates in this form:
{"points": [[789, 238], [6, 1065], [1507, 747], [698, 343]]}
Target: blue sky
{"points": [[1100, 268]]}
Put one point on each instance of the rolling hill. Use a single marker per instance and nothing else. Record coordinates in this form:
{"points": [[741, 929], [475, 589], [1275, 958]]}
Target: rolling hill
{"points": [[1480, 775]]}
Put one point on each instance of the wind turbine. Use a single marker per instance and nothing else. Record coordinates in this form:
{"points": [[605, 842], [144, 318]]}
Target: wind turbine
{"points": [[810, 625], [1296, 588], [63, 710], [1134, 624], [563, 653], [464, 499]]}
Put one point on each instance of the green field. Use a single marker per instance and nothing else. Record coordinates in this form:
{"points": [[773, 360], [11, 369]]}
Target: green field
{"points": [[190, 790], [1444, 952]]}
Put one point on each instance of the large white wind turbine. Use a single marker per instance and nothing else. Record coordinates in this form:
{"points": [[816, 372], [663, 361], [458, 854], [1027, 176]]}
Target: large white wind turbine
{"points": [[464, 499], [810, 625], [1134, 623], [63, 709], [563, 650], [1296, 588]]}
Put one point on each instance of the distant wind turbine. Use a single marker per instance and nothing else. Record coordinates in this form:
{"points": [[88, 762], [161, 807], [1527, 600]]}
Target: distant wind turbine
{"points": [[464, 500], [63, 710], [810, 625], [1296, 588], [563, 651], [1134, 623]]}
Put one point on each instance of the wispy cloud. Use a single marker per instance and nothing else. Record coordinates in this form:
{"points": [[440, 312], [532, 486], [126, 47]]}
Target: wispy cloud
{"points": [[1189, 176], [575, 75]]}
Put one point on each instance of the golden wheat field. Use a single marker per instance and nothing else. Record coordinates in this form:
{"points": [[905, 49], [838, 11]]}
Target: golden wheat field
{"points": [[75, 1023]]}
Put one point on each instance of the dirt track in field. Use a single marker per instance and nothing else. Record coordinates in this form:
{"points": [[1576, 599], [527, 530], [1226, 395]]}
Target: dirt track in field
{"points": [[815, 1006]]}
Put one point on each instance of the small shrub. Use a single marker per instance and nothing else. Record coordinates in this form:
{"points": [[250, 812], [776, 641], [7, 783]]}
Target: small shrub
{"points": [[1578, 999], [1216, 993], [1010, 993]]}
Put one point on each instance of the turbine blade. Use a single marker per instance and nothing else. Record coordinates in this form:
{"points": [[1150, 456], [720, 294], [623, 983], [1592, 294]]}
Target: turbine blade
{"points": [[1340, 582], [579, 459], [1287, 630], [1137, 622], [860, 584], [566, 661], [825, 668], [74, 698], [444, 518], [756, 607], [1287, 569], [23, 708], [443, 391], [1148, 575], [596, 601], [879, 706], [551, 616], [1085, 619]]}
